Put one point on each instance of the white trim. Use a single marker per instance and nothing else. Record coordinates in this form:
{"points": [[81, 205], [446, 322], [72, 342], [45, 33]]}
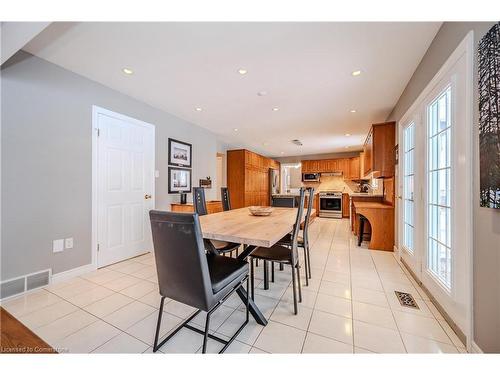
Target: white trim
{"points": [[69, 274], [466, 47], [475, 348], [96, 110]]}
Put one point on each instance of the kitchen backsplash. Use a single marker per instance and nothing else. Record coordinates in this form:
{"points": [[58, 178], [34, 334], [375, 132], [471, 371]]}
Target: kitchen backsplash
{"points": [[347, 186]]}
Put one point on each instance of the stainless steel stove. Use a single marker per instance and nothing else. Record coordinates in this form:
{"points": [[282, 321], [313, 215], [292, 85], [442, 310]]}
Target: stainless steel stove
{"points": [[330, 204]]}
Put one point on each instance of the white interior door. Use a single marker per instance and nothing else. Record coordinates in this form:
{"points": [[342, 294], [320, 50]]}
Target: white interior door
{"points": [[125, 186]]}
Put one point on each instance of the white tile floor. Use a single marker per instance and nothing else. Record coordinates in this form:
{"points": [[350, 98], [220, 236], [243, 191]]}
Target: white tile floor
{"points": [[348, 307]]}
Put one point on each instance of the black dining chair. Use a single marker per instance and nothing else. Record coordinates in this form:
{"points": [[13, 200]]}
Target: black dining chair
{"points": [[284, 255], [303, 241], [200, 207], [187, 274], [226, 201]]}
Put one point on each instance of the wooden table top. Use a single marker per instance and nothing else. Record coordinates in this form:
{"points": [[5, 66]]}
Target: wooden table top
{"points": [[17, 338], [372, 205], [240, 226]]}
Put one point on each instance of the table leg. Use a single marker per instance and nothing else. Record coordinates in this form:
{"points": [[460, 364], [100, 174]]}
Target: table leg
{"points": [[254, 310]]}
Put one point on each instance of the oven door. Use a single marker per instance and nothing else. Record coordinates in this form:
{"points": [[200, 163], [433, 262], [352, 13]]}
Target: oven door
{"points": [[330, 207]]}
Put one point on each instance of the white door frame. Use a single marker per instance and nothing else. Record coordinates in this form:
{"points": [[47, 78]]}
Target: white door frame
{"points": [[96, 110], [466, 47]]}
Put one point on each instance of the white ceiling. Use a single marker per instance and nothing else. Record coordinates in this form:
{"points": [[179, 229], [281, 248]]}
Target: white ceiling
{"points": [[304, 67]]}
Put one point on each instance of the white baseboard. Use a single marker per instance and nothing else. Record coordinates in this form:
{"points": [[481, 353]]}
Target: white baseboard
{"points": [[69, 274], [475, 348]]}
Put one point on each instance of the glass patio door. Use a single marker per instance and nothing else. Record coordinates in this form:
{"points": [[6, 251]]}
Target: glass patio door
{"points": [[445, 271], [409, 172], [435, 147]]}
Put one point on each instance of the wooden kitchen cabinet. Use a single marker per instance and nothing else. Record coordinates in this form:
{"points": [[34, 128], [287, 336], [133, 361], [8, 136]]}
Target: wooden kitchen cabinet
{"points": [[326, 166], [378, 150], [354, 168], [248, 178], [345, 205]]}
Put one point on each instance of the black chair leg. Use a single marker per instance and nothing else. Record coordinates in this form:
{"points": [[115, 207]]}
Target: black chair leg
{"points": [[251, 280], [256, 263], [282, 267], [361, 230], [158, 325], [205, 337], [294, 291], [272, 272], [308, 258], [266, 275], [306, 269], [298, 282]]}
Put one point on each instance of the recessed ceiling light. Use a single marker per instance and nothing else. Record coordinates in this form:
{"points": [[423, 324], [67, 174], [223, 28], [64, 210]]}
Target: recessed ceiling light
{"points": [[127, 71], [242, 71], [356, 73], [198, 109], [347, 134], [262, 93], [276, 109], [281, 152], [352, 111], [235, 129]]}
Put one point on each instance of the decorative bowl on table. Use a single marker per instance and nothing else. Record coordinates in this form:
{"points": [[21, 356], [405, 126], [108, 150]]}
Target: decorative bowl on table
{"points": [[260, 210]]}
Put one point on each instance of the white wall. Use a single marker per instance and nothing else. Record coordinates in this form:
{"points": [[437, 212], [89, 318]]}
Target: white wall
{"points": [[46, 161]]}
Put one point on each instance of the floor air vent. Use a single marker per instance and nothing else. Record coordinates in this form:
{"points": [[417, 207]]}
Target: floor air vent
{"points": [[21, 284], [406, 300]]}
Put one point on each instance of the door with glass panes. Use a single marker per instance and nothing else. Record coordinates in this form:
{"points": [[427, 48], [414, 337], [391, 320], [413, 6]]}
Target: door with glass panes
{"points": [[434, 237]]}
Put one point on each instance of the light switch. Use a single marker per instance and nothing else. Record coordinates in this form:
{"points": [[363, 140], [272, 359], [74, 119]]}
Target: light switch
{"points": [[68, 243], [57, 246], [157, 173]]}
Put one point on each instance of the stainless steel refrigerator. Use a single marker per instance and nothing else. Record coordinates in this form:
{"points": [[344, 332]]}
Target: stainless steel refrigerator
{"points": [[274, 183]]}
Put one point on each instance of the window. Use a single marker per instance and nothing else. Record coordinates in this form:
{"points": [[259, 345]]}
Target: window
{"points": [[439, 251], [408, 188]]}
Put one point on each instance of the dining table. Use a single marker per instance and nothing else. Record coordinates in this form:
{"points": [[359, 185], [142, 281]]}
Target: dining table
{"points": [[240, 226]]}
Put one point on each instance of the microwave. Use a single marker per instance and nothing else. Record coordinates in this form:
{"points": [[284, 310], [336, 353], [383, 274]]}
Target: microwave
{"points": [[310, 177]]}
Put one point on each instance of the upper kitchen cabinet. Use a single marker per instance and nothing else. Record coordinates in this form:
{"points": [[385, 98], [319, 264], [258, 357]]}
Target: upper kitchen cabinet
{"points": [[248, 178], [354, 169], [378, 150], [326, 166]]}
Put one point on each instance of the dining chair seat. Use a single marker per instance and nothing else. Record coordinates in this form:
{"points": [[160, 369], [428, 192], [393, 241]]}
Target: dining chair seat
{"points": [[275, 253], [288, 239], [224, 271], [223, 247]]}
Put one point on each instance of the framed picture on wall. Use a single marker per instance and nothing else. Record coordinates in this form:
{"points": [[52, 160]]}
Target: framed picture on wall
{"points": [[179, 153], [179, 180]]}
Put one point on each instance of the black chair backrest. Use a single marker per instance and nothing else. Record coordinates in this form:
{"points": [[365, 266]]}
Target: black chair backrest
{"points": [[181, 261], [226, 202], [310, 204], [200, 205], [298, 220]]}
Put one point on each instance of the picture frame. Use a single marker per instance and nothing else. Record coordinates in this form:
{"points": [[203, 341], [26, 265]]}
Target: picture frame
{"points": [[179, 153], [179, 180]]}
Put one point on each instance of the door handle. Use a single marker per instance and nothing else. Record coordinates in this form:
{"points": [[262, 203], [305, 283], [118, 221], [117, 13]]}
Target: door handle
{"points": [[147, 196]]}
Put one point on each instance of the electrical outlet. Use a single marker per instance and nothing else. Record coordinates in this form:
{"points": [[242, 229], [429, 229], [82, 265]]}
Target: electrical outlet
{"points": [[68, 243], [57, 246]]}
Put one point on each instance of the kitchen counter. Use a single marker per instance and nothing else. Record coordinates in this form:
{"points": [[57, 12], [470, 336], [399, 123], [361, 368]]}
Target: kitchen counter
{"points": [[381, 219], [366, 195], [289, 195]]}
